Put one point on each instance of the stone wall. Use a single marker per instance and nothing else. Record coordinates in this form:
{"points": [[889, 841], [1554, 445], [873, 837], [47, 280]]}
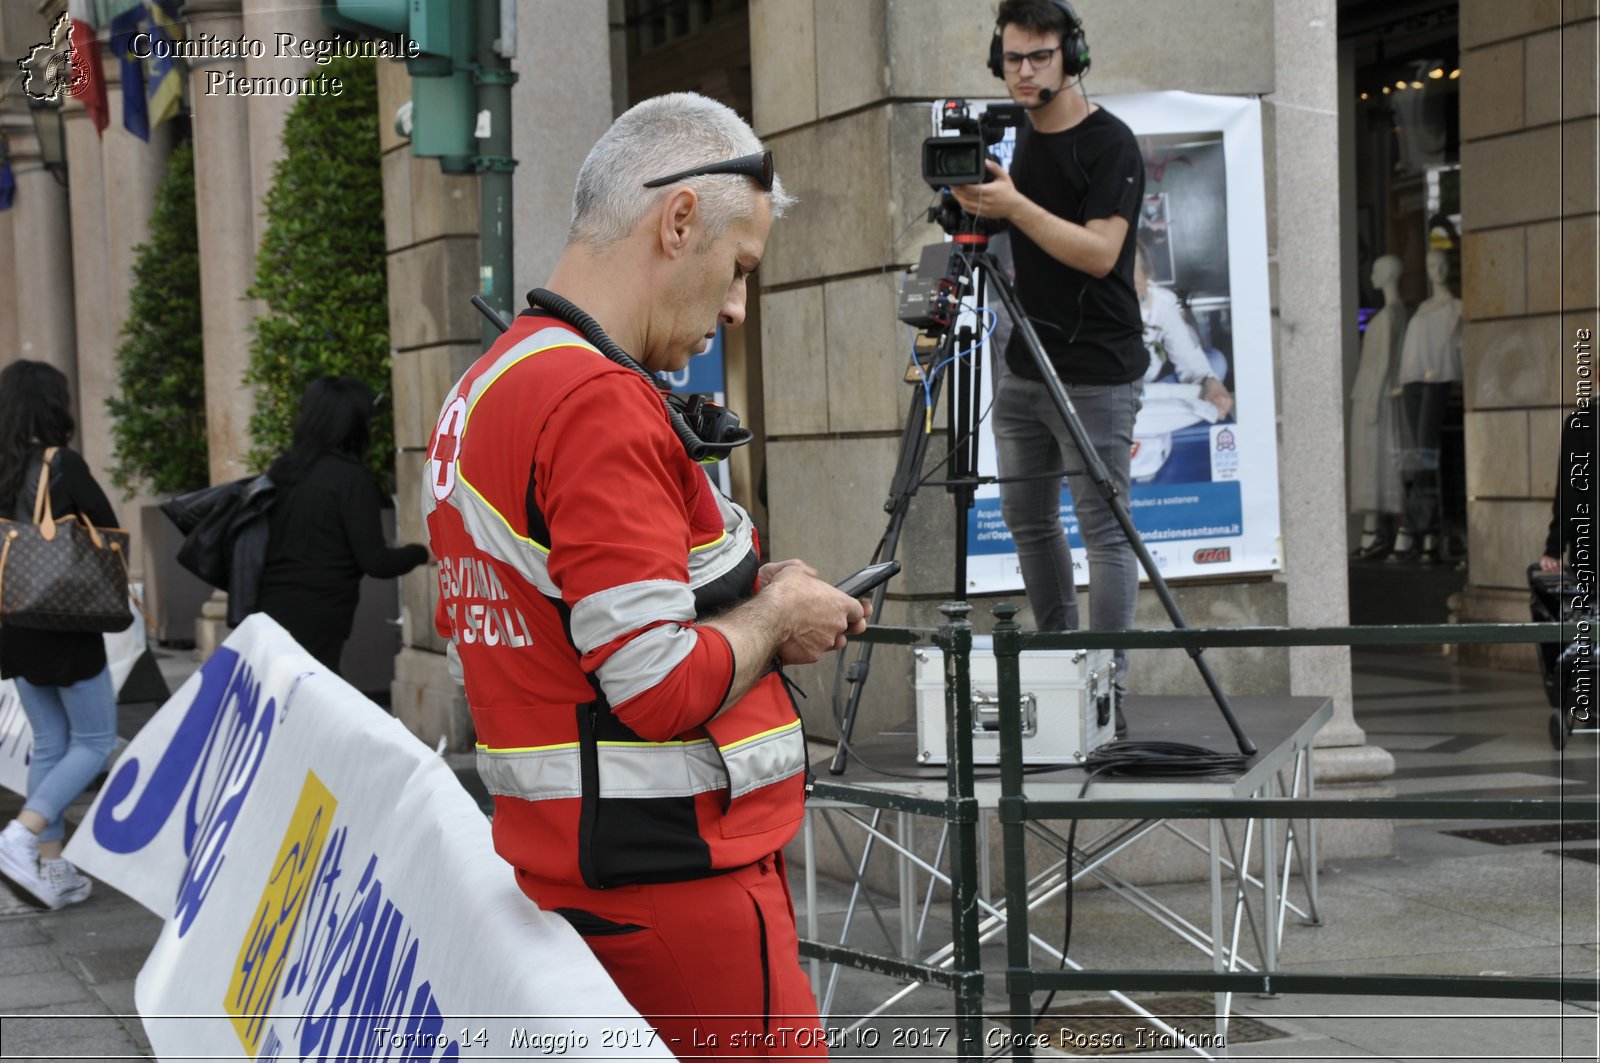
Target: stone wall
{"points": [[840, 93], [1528, 212]]}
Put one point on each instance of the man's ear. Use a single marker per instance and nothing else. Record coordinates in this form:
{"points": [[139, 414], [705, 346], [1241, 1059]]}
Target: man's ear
{"points": [[679, 217]]}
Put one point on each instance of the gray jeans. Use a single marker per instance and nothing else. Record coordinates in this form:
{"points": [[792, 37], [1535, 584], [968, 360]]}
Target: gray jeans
{"points": [[1031, 440]]}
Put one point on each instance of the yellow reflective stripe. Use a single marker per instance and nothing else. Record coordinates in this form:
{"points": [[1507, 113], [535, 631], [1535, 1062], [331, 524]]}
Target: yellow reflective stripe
{"points": [[636, 745], [464, 482], [707, 546], [759, 737], [764, 759], [480, 388], [524, 749]]}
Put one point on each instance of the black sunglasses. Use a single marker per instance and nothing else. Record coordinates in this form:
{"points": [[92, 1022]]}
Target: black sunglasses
{"points": [[757, 166]]}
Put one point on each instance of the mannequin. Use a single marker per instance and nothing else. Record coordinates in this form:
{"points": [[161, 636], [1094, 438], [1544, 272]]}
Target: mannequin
{"points": [[1430, 363], [1374, 426]]}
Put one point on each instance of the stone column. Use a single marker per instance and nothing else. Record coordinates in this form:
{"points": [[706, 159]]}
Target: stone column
{"points": [[114, 189], [263, 21], [93, 321], [9, 341], [1305, 237], [1528, 284], [431, 231], [225, 206], [42, 256]]}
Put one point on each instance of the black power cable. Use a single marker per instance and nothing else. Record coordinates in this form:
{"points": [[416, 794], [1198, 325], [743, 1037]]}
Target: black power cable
{"points": [[1164, 759]]}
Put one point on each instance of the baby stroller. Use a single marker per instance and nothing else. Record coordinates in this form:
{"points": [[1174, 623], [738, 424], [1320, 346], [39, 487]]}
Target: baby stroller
{"points": [[1568, 668]]}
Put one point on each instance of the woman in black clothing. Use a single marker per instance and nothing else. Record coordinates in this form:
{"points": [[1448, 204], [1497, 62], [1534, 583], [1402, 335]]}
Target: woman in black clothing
{"points": [[61, 676], [323, 529]]}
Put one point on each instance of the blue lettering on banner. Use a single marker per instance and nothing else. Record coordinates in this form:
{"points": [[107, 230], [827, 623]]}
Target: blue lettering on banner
{"points": [[219, 744], [354, 967], [1161, 512]]}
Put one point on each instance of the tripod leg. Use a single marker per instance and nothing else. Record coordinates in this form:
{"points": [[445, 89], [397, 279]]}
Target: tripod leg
{"points": [[908, 470], [1108, 489]]}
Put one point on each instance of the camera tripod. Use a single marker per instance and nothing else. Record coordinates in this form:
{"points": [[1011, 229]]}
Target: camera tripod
{"points": [[972, 268]]}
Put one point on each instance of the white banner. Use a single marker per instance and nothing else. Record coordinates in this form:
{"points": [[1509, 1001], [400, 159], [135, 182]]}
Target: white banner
{"points": [[1205, 487], [329, 889], [123, 650]]}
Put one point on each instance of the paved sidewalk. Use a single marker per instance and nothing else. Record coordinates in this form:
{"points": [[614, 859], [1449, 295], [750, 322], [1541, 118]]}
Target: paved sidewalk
{"points": [[1445, 904]]}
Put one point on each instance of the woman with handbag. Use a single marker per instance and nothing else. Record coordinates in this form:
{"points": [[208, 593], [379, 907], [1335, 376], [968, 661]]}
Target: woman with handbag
{"points": [[61, 675], [324, 531]]}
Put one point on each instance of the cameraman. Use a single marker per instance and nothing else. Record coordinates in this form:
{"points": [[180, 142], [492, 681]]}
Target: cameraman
{"points": [[1071, 201]]}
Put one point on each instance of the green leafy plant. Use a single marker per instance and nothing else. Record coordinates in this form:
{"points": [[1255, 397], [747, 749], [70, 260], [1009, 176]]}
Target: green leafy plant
{"points": [[320, 269], [158, 410]]}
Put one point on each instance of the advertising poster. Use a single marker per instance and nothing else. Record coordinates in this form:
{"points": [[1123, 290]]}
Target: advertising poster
{"points": [[1205, 480]]}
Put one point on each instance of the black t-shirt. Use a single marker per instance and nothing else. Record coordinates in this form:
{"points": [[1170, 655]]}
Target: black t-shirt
{"points": [[1089, 325]]}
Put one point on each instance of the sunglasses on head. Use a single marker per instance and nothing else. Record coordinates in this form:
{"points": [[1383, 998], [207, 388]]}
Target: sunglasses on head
{"points": [[757, 166]]}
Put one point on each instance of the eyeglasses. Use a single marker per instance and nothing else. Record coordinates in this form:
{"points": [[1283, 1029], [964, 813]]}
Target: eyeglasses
{"points": [[757, 166], [1038, 60]]}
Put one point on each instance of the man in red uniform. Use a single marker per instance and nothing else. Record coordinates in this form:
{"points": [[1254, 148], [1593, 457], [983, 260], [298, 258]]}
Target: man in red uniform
{"points": [[617, 635]]}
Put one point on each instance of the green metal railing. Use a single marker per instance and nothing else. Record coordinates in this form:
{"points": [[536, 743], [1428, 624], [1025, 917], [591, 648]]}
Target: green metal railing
{"points": [[959, 808]]}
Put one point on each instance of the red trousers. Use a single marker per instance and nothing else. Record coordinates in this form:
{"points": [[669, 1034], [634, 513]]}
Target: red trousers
{"points": [[712, 964]]}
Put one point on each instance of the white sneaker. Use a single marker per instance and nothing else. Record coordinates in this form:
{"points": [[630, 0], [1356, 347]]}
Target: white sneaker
{"points": [[70, 884], [19, 862]]}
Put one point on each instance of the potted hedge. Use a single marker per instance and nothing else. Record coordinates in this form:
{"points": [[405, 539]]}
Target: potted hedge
{"points": [[158, 408], [321, 273], [321, 267]]}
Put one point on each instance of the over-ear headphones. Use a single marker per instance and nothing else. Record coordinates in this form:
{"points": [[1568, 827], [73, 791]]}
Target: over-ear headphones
{"points": [[1074, 46]]}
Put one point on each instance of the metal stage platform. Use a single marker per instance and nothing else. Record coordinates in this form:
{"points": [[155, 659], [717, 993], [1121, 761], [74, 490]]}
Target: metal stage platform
{"points": [[1256, 858]]}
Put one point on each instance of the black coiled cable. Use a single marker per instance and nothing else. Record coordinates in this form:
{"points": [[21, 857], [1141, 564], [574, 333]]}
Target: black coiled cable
{"points": [[568, 311]]}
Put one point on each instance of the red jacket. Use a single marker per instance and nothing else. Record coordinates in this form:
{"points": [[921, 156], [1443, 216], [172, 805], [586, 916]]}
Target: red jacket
{"points": [[578, 546]]}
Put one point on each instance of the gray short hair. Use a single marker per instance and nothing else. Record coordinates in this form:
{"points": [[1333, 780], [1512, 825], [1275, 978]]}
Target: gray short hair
{"points": [[659, 136]]}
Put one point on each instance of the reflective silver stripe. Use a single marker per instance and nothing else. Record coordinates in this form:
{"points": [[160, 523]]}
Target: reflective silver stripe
{"points": [[765, 759], [639, 770], [604, 615], [711, 563], [493, 536], [645, 661], [547, 774], [489, 530], [629, 770], [544, 339]]}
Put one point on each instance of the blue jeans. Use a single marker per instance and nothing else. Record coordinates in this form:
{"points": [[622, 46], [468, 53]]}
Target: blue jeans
{"points": [[74, 731], [1031, 441]]}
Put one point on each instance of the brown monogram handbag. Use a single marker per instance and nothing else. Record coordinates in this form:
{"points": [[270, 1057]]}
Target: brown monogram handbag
{"points": [[62, 575]]}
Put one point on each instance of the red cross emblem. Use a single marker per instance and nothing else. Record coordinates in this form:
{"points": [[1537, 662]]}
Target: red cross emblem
{"points": [[446, 448]]}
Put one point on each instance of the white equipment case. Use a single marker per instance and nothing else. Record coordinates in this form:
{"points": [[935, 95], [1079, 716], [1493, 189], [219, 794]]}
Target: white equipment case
{"points": [[1067, 704]]}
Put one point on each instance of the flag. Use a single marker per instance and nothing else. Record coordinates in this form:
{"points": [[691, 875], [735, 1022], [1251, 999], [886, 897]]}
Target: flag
{"points": [[125, 18], [88, 76], [164, 87], [152, 84]]}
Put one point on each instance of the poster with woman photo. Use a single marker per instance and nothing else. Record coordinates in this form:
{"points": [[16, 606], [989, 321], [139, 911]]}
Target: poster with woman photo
{"points": [[1205, 473]]}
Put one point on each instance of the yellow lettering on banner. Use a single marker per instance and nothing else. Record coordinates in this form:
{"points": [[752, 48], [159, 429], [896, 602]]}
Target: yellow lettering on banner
{"points": [[266, 942]]}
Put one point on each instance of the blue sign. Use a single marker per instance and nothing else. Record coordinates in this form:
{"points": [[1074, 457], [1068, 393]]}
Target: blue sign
{"points": [[1160, 512], [703, 375]]}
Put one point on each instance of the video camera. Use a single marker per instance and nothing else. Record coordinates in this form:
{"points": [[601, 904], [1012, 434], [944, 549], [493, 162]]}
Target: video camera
{"points": [[959, 160]]}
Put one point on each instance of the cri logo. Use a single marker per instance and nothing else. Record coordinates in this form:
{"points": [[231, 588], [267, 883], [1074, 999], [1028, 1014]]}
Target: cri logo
{"points": [[1211, 555], [446, 447]]}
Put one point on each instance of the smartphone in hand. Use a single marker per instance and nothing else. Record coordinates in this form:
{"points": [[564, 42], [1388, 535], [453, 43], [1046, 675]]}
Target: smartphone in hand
{"points": [[859, 584]]}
